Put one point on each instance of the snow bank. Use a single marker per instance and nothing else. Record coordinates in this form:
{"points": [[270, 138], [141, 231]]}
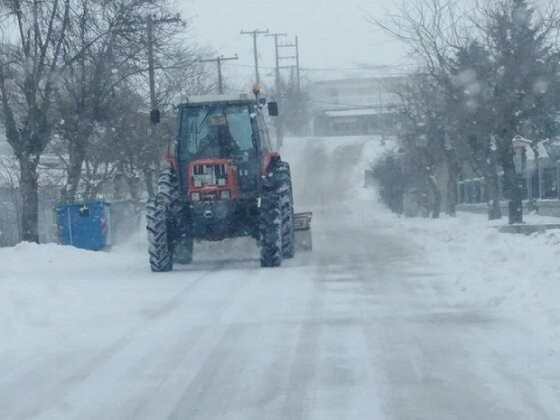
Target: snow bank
{"points": [[514, 274], [53, 294]]}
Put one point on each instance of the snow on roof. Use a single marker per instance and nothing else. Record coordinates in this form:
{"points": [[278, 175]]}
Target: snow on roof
{"points": [[541, 149], [518, 140], [364, 78], [529, 152], [355, 112], [203, 99]]}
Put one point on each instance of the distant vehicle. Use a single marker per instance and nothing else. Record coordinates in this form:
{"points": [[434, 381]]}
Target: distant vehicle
{"points": [[222, 179]]}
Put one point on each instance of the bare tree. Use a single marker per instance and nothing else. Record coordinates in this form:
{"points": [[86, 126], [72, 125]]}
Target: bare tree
{"points": [[472, 75], [432, 31], [119, 62], [498, 79], [29, 72], [422, 135], [90, 82], [521, 44]]}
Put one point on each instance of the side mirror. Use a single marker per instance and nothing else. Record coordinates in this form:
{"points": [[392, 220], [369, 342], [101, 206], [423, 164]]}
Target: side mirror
{"points": [[155, 116], [273, 109]]}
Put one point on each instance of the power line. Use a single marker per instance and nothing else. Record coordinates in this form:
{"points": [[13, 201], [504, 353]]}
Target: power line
{"points": [[329, 68]]}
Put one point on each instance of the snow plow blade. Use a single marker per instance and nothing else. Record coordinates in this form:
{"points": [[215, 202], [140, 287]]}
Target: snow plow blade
{"points": [[302, 221], [302, 228]]}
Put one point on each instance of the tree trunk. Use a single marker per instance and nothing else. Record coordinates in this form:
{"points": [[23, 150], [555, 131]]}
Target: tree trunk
{"points": [[452, 178], [30, 198], [492, 183], [515, 205], [494, 209], [133, 187], [507, 154], [149, 180], [451, 209], [15, 194], [436, 195], [77, 152]]}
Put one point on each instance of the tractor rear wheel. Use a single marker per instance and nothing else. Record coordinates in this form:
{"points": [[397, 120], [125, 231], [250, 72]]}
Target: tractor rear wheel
{"points": [[271, 229], [287, 206]]}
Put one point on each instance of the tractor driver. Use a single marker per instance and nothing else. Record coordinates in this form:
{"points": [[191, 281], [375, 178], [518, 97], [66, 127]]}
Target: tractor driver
{"points": [[219, 141]]}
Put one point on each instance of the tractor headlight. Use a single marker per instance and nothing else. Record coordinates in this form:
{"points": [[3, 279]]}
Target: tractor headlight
{"points": [[195, 196], [225, 195]]}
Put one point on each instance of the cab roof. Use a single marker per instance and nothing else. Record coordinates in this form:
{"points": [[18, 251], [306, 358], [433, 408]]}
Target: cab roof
{"points": [[243, 98]]}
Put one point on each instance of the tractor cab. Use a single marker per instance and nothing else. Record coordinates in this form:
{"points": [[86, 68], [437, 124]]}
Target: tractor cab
{"points": [[218, 130], [223, 126]]}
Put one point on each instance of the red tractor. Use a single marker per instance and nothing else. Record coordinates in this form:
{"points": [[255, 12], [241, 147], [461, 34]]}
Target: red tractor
{"points": [[222, 179]]}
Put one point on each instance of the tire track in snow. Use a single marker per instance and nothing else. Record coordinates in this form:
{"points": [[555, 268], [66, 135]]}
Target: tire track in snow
{"points": [[300, 387], [199, 367], [330, 375], [53, 386]]}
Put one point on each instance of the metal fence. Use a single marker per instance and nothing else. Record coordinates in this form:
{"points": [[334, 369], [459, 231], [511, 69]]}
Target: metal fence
{"points": [[541, 184]]}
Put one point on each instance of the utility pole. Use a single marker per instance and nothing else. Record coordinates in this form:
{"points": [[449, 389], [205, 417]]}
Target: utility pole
{"points": [[295, 57], [255, 33], [151, 70], [277, 88], [277, 55], [218, 60], [154, 112], [150, 22], [296, 100], [297, 66]]}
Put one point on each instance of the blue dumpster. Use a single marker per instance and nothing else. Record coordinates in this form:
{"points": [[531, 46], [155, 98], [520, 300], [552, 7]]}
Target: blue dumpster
{"points": [[84, 225]]}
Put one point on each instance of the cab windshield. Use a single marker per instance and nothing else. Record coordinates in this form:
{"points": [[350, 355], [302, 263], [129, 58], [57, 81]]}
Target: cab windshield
{"points": [[216, 130]]}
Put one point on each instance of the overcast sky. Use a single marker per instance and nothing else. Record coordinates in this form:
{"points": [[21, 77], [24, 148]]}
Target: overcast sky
{"points": [[334, 36]]}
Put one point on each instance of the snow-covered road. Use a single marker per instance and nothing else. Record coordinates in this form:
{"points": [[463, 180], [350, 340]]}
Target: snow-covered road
{"points": [[367, 326]]}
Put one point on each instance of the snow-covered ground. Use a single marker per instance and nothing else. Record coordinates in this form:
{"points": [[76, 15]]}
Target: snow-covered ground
{"points": [[513, 273], [387, 318], [516, 274]]}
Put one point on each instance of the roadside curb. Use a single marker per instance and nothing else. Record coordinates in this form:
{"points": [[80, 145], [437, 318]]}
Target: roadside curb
{"points": [[528, 229]]}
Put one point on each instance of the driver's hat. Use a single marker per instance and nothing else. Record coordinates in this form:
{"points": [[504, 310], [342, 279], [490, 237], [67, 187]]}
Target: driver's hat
{"points": [[218, 120]]}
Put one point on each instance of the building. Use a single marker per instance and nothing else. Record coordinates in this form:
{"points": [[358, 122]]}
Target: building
{"points": [[355, 106]]}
